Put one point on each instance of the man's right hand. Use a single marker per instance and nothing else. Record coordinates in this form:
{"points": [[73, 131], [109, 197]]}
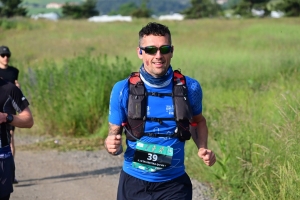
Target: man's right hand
{"points": [[2, 117], [113, 144]]}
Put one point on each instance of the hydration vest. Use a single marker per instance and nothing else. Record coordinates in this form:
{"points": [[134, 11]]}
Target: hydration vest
{"points": [[137, 108]]}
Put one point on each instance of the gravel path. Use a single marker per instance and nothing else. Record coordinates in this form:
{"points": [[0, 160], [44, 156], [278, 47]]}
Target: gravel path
{"points": [[76, 175]]}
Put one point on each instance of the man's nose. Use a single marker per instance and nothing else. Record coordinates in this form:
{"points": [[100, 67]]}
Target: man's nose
{"points": [[158, 54]]}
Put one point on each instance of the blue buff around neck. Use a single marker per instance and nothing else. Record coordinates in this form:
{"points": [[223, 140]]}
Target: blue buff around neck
{"points": [[156, 82]]}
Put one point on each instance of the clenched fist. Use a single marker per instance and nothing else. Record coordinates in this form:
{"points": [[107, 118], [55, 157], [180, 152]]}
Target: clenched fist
{"points": [[208, 157], [113, 144]]}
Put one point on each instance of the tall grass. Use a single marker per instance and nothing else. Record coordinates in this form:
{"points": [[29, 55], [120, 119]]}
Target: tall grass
{"points": [[248, 69], [255, 134], [283, 171], [72, 99]]}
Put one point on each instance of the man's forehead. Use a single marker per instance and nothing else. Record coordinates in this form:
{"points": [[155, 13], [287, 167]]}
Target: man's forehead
{"points": [[155, 39]]}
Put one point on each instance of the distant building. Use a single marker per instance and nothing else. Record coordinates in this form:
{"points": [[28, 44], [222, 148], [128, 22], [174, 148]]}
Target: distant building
{"points": [[50, 16], [107, 18], [175, 16], [54, 5], [276, 14], [257, 13], [221, 2]]}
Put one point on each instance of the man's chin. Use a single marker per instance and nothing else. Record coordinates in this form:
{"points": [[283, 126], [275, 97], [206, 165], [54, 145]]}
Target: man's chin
{"points": [[160, 73]]}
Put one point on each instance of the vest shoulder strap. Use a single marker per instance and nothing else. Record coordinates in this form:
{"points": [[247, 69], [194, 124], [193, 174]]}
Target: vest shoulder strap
{"points": [[177, 78], [137, 108], [135, 78]]}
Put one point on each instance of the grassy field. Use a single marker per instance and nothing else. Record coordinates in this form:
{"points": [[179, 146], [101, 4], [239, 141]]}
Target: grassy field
{"points": [[248, 69]]}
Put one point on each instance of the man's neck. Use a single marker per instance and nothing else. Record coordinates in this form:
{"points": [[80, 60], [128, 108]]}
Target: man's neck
{"points": [[3, 66]]}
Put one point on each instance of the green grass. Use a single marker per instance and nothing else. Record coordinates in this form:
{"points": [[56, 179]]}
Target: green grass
{"points": [[248, 69], [74, 97]]}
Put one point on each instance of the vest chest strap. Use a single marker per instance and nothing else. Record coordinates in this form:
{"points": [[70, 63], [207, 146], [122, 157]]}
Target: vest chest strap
{"points": [[160, 135], [156, 94]]}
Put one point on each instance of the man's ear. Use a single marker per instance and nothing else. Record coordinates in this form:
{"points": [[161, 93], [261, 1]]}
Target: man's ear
{"points": [[139, 53]]}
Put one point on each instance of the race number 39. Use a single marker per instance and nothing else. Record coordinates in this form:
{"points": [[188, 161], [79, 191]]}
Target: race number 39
{"points": [[152, 157], [152, 154]]}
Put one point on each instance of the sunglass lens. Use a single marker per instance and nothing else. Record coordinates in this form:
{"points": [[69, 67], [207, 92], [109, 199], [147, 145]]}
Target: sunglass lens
{"points": [[165, 49], [3, 55], [151, 50]]}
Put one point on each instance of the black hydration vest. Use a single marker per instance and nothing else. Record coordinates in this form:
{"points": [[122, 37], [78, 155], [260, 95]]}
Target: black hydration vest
{"points": [[137, 108]]}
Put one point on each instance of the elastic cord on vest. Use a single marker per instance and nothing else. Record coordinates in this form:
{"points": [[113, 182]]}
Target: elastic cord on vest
{"points": [[127, 131]]}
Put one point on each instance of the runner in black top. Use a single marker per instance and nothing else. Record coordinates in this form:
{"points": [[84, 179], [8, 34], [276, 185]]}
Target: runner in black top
{"points": [[10, 74], [11, 100]]}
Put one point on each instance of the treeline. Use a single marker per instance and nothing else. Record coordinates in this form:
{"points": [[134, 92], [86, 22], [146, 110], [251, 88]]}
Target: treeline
{"points": [[157, 7], [192, 9]]}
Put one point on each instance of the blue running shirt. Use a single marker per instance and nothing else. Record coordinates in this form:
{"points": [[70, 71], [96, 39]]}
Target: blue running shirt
{"points": [[159, 107]]}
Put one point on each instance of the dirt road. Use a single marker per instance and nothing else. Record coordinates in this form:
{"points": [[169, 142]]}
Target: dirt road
{"points": [[73, 175]]}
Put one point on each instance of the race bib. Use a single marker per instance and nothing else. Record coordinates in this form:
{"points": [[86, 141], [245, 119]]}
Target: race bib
{"points": [[152, 157]]}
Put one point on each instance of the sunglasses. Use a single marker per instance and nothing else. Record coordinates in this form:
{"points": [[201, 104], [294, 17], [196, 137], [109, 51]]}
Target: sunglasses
{"points": [[152, 50], [3, 55]]}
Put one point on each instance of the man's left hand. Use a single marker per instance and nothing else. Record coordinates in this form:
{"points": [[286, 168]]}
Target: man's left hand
{"points": [[208, 157]]}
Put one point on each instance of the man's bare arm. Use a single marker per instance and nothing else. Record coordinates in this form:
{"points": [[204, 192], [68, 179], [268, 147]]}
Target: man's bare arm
{"points": [[113, 142], [200, 135], [114, 129], [17, 84], [23, 120], [200, 132]]}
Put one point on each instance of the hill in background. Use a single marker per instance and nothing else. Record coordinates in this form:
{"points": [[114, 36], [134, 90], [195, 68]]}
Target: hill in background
{"points": [[158, 7]]}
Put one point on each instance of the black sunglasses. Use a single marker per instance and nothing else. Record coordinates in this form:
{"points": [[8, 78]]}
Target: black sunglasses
{"points": [[152, 50], [3, 55]]}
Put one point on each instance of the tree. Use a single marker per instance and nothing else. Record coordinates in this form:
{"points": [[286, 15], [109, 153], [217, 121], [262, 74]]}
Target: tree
{"points": [[133, 10], [11, 8], [85, 10], [142, 11], [291, 8], [202, 9], [157, 7], [245, 7], [125, 9]]}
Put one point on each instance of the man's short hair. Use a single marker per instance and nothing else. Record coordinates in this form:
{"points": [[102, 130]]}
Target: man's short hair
{"points": [[156, 29]]}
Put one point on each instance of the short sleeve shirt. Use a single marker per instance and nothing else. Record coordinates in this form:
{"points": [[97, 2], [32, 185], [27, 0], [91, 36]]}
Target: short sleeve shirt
{"points": [[9, 74], [11, 100], [118, 114]]}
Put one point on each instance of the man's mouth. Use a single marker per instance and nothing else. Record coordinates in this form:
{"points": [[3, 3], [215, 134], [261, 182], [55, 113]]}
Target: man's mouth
{"points": [[158, 63]]}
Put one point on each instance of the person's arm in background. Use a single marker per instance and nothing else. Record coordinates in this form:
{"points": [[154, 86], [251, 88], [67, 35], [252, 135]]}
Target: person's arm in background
{"points": [[23, 120], [200, 135], [17, 84], [16, 80]]}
